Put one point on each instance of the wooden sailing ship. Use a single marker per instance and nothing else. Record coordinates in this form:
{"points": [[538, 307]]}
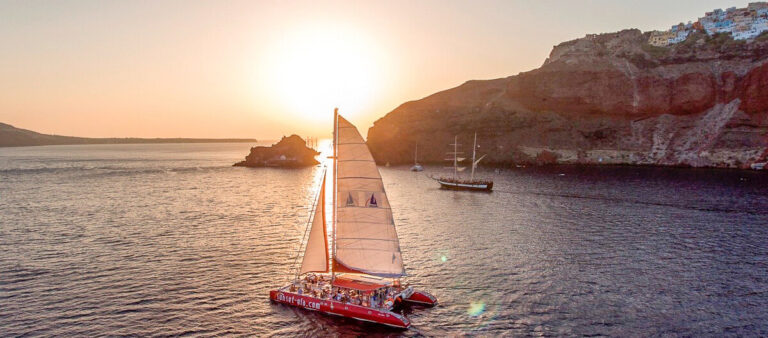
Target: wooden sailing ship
{"points": [[456, 182], [359, 275]]}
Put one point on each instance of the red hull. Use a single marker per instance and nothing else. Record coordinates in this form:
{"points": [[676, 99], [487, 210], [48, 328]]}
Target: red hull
{"points": [[341, 309], [422, 298]]}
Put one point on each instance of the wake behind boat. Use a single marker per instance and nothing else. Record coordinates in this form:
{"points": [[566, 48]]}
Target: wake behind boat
{"points": [[362, 277], [456, 182]]}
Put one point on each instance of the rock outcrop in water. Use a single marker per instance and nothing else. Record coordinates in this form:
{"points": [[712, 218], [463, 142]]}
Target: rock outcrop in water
{"points": [[610, 99], [291, 152]]}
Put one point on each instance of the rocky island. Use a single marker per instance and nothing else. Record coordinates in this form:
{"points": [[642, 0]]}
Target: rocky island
{"points": [[290, 152], [602, 99]]}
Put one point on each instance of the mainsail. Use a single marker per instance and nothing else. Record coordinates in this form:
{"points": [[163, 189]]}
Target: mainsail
{"points": [[316, 255], [365, 240]]}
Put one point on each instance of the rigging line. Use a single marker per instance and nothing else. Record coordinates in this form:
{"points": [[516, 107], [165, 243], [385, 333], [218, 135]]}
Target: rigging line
{"points": [[309, 224], [367, 239], [364, 222], [366, 207], [359, 248], [359, 177]]}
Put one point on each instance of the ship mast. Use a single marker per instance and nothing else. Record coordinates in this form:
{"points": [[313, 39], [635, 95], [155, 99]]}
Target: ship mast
{"points": [[335, 173], [455, 159], [474, 149], [416, 155]]}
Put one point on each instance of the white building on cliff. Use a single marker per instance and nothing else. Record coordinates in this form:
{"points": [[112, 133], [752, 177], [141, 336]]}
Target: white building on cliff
{"points": [[742, 23]]}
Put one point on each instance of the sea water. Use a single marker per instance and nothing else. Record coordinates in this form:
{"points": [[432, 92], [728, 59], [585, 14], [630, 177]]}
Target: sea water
{"points": [[172, 240]]}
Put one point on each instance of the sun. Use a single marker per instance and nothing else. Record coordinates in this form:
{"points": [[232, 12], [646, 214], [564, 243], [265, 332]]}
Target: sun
{"points": [[310, 71]]}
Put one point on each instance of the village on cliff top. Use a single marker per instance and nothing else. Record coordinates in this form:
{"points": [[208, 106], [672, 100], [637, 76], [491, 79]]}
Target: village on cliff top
{"points": [[742, 23]]}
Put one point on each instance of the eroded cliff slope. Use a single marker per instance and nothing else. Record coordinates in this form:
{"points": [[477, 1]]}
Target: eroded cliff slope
{"points": [[610, 98]]}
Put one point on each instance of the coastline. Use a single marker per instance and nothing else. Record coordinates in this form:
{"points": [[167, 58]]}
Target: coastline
{"points": [[111, 141]]}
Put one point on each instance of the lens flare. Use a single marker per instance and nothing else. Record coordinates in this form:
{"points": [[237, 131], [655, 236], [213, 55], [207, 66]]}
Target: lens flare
{"points": [[476, 309]]}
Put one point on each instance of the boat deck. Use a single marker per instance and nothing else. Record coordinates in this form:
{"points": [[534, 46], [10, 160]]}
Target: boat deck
{"points": [[366, 299], [365, 293]]}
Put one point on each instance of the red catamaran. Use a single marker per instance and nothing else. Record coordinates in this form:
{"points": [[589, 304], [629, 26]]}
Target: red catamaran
{"points": [[362, 280]]}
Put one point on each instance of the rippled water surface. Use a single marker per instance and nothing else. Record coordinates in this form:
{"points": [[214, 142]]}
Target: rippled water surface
{"points": [[172, 240]]}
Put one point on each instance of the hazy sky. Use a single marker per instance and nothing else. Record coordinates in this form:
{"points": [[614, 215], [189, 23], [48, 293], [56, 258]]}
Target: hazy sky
{"points": [[266, 68]]}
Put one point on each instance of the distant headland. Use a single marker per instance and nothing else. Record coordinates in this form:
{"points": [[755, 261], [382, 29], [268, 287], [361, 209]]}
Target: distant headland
{"points": [[290, 152], [11, 136]]}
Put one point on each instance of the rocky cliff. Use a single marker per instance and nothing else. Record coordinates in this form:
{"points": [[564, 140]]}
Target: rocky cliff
{"points": [[610, 98], [291, 152]]}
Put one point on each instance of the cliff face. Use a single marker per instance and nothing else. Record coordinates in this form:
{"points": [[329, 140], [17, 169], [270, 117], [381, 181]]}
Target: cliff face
{"points": [[610, 98], [291, 151]]}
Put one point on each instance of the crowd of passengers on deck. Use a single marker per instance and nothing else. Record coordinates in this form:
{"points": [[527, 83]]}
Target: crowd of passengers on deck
{"points": [[320, 287]]}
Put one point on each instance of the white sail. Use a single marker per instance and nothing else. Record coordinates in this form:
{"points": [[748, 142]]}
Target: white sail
{"points": [[316, 254], [365, 238]]}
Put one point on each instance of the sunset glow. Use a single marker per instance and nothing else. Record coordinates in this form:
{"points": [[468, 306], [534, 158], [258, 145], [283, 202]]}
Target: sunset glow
{"points": [[311, 71], [258, 69]]}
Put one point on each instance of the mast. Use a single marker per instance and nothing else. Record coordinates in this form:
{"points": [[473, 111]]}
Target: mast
{"points": [[474, 149], [416, 155], [455, 159], [335, 174]]}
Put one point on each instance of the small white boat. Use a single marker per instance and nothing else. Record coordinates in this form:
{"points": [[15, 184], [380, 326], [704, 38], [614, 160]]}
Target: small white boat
{"points": [[416, 165], [758, 166]]}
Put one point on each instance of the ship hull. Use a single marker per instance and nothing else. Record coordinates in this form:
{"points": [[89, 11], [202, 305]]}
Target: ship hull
{"points": [[421, 298], [466, 186], [378, 316]]}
